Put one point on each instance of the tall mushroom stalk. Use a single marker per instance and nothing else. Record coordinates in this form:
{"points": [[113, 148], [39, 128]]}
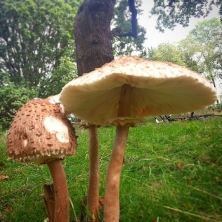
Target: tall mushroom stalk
{"points": [[93, 188], [41, 133], [111, 200]]}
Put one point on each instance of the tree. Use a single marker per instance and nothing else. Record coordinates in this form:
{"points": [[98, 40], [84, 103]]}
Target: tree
{"points": [[166, 52], [204, 45], [34, 35], [172, 12], [36, 49]]}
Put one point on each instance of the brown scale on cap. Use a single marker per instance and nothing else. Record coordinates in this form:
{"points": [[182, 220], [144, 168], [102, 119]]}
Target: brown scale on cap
{"points": [[40, 133]]}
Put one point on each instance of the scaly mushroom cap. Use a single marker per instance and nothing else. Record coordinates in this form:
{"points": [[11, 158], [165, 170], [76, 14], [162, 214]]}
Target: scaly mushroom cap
{"points": [[40, 133], [158, 88]]}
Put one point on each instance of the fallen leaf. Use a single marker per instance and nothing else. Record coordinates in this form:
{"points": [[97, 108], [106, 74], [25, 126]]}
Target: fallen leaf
{"points": [[3, 177], [180, 165], [218, 178], [8, 209], [157, 184]]}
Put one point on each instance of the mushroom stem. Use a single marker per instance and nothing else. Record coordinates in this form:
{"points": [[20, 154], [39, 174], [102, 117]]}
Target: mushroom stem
{"points": [[111, 200], [93, 189], [61, 191]]}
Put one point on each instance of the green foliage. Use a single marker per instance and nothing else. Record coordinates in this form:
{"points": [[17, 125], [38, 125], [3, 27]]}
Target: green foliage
{"points": [[66, 71], [34, 35], [123, 44], [190, 62], [37, 53], [166, 52], [172, 12], [204, 45], [13, 97]]}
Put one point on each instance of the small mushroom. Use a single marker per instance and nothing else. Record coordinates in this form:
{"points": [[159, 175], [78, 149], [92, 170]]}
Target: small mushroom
{"points": [[122, 93], [41, 133]]}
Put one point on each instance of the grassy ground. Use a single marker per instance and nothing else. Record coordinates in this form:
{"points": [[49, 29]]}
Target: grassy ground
{"points": [[172, 172]]}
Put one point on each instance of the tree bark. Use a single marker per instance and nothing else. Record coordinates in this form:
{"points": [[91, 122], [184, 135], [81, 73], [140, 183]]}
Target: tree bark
{"points": [[92, 34]]}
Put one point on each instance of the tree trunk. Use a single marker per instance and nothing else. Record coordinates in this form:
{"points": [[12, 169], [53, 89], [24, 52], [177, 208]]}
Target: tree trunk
{"points": [[92, 34]]}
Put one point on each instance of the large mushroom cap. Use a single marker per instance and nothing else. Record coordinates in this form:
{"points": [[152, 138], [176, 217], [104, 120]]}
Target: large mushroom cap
{"points": [[157, 88], [40, 133]]}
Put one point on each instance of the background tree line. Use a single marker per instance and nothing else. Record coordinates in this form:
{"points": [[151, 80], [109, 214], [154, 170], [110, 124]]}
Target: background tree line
{"points": [[37, 50]]}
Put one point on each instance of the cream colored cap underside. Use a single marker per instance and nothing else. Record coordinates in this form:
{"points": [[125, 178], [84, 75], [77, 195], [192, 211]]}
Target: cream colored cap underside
{"points": [[158, 88]]}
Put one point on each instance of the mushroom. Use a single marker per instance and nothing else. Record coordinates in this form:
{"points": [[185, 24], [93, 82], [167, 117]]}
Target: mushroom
{"points": [[93, 185], [122, 93], [41, 133]]}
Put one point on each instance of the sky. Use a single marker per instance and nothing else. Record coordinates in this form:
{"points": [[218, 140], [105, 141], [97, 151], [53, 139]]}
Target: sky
{"points": [[154, 37]]}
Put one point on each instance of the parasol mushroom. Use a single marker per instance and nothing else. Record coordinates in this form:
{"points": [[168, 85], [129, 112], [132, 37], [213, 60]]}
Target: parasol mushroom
{"points": [[41, 133], [125, 91]]}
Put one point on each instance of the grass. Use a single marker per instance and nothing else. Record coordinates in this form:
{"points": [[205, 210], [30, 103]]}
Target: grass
{"points": [[172, 172]]}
